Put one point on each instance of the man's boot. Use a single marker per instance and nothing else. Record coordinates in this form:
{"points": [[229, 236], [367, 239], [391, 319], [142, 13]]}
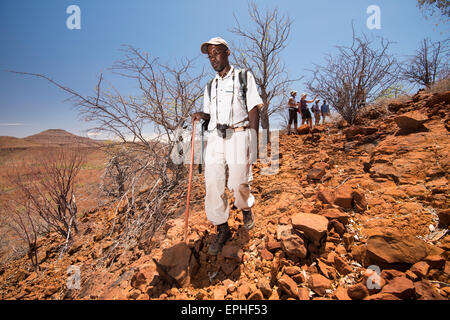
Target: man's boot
{"points": [[223, 235], [249, 219]]}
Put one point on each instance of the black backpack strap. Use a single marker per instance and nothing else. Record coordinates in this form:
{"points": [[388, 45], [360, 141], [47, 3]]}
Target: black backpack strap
{"points": [[243, 84], [209, 88]]}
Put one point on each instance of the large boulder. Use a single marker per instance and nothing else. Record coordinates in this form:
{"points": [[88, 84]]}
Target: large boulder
{"points": [[313, 226], [400, 287], [292, 244], [395, 250], [177, 265], [412, 120]]}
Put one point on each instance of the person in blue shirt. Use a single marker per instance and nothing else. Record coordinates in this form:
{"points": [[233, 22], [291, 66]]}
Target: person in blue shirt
{"points": [[325, 110]]}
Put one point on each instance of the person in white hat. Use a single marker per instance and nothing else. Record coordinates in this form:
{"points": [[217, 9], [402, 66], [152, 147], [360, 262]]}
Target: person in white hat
{"points": [[233, 115], [293, 109]]}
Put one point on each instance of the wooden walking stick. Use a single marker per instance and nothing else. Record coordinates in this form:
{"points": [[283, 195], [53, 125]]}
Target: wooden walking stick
{"points": [[191, 165]]}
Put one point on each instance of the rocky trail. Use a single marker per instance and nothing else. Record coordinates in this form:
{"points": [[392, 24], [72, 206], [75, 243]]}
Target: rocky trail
{"points": [[358, 212]]}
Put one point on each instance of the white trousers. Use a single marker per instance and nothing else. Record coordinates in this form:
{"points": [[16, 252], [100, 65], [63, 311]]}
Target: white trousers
{"points": [[234, 151]]}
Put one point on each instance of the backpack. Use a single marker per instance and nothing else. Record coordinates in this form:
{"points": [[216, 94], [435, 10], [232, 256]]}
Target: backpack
{"points": [[242, 83]]}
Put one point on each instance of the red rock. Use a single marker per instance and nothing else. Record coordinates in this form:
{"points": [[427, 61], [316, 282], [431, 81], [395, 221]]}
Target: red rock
{"points": [[358, 291], [388, 249], [299, 278], [50, 290], [319, 284], [292, 270], [412, 120], [273, 245], [447, 267], [435, 261], [382, 296], [324, 269], [335, 214], [228, 268], [219, 293], [359, 201], [420, 269], [264, 286], [289, 286], [303, 129], [232, 251], [284, 220], [341, 294], [314, 226], [337, 226], [411, 276], [342, 266], [138, 280], [343, 197], [229, 285], [326, 196], [348, 240], [178, 263], [316, 174], [266, 254], [444, 217], [425, 291], [400, 287], [256, 295], [243, 291], [303, 293], [358, 253], [353, 131], [389, 274], [293, 245]]}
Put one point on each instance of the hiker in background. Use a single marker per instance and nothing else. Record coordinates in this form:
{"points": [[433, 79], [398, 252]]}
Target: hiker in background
{"points": [[325, 110], [292, 112], [303, 108], [316, 110], [233, 111]]}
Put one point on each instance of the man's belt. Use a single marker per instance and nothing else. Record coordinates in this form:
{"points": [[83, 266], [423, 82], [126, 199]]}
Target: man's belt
{"points": [[238, 129]]}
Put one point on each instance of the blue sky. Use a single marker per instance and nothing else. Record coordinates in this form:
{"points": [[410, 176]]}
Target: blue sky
{"points": [[35, 39]]}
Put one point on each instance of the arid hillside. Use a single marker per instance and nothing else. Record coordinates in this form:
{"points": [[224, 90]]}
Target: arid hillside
{"points": [[358, 212]]}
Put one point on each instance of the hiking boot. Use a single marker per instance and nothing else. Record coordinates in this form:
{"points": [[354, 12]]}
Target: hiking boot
{"points": [[223, 235], [249, 220]]}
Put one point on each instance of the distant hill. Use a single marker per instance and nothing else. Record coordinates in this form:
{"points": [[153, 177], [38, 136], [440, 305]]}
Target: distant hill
{"points": [[50, 137]]}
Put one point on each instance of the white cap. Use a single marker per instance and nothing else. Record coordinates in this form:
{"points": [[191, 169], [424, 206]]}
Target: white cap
{"points": [[215, 41]]}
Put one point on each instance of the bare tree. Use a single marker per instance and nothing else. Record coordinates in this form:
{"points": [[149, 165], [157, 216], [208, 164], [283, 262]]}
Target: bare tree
{"points": [[47, 187], [24, 223], [164, 102], [429, 64], [260, 51], [431, 6], [355, 76]]}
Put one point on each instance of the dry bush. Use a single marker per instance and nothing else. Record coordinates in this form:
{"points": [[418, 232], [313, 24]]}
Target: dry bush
{"points": [[24, 223], [440, 86], [45, 188], [356, 76]]}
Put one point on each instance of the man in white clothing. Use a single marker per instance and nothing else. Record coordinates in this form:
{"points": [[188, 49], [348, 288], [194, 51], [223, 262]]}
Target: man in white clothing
{"points": [[232, 110]]}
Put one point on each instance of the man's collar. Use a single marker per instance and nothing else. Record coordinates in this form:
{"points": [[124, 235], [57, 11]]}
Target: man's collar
{"points": [[230, 72]]}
